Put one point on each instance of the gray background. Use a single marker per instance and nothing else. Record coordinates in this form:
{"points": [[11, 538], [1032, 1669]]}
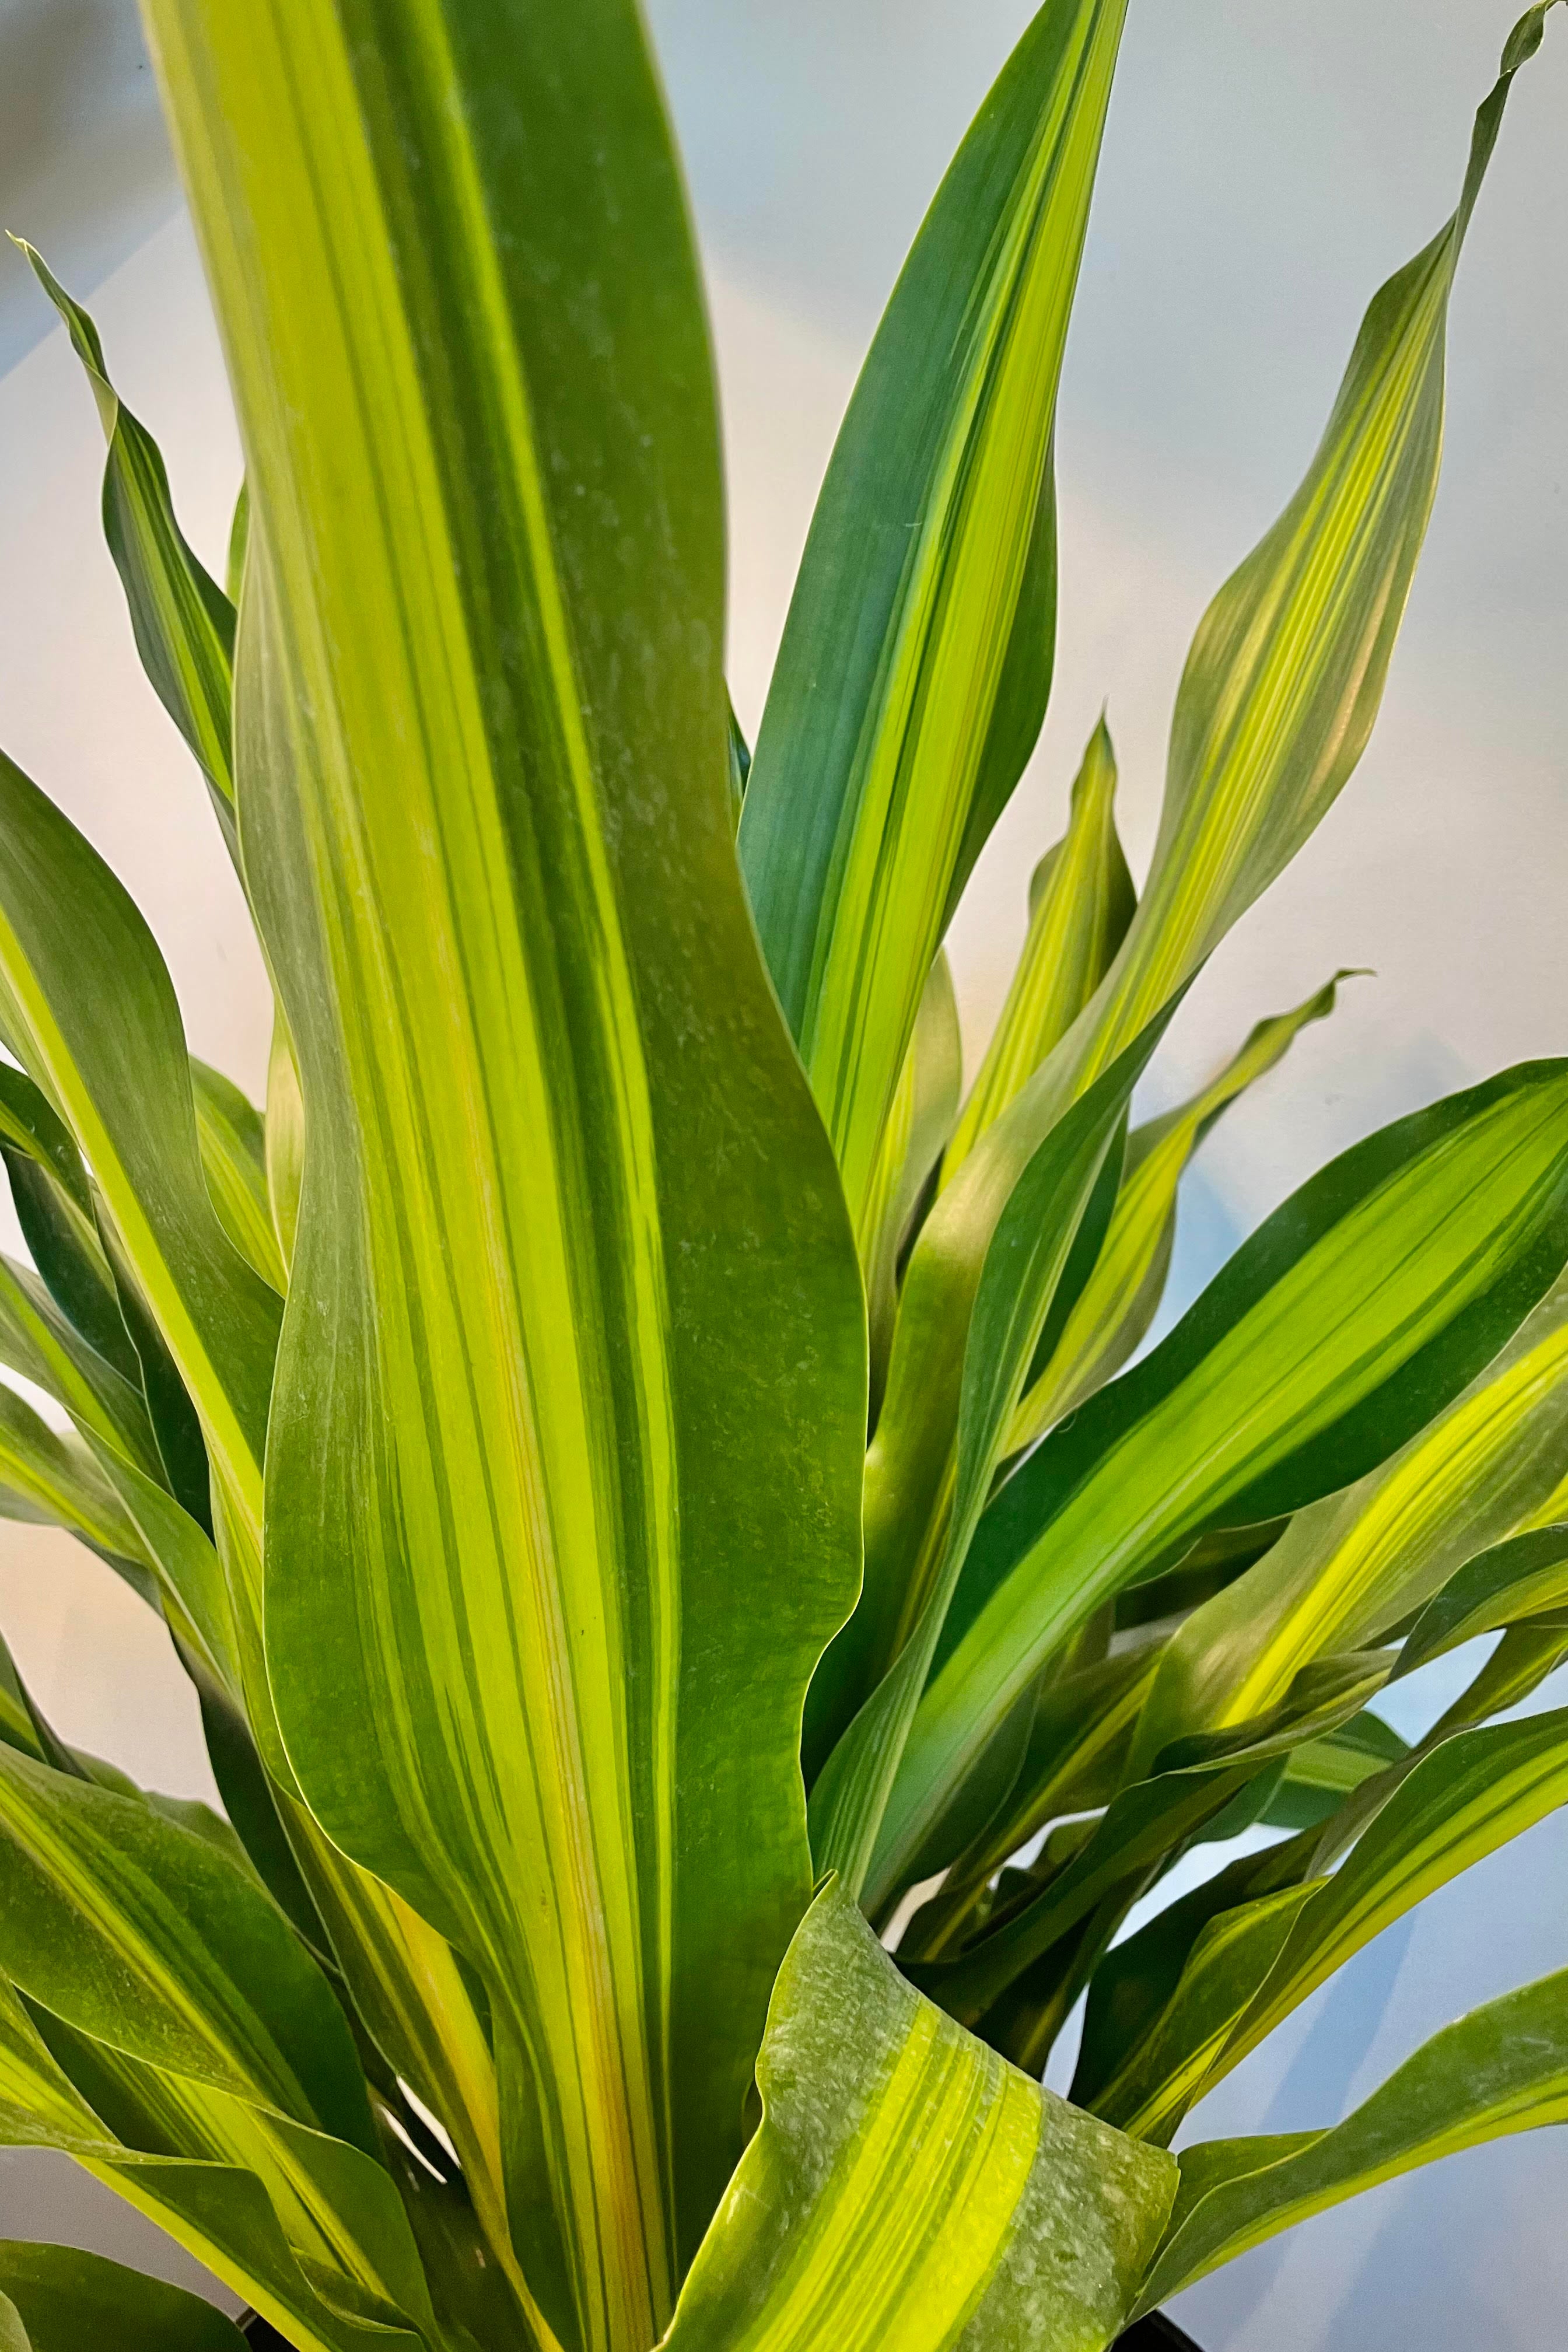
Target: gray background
{"points": [[1264, 169]]}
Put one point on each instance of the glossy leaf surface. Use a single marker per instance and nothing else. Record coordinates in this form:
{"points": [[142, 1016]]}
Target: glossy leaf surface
{"points": [[917, 657], [1502, 2069], [1366, 1300], [572, 1397], [907, 2187], [74, 2302]]}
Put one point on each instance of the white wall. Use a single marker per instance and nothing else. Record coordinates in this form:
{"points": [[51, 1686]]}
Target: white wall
{"points": [[1264, 169]]}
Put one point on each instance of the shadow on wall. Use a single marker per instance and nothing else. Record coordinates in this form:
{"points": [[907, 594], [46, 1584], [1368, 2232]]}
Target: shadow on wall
{"points": [[84, 169]]}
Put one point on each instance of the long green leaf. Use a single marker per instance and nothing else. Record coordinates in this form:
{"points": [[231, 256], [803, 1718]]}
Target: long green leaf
{"points": [[1288, 667], [1502, 2069], [232, 1141], [907, 2187], [221, 2214], [1081, 903], [183, 621], [916, 660], [897, 1626], [1462, 1801], [39, 1342], [1351, 1316], [1147, 1825], [338, 2209], [594, 1458], [139, 1933], [54, 1202], [1514, 1580], [1113, 1311], [74, 2302], [919, 1124], [1353, 1565], [88, 1008], [53, 1478]]}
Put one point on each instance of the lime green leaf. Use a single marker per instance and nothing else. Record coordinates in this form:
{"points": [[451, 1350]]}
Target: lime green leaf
{"points": [[1146, 1826], [897, 1626], [37, 1341], [55, 1478], [220, 2214], [184, 624], [337, 2208], [1513, 1580], [1081, 903], [1287, 670], [285, 1137], [595, 1459], [140, 1934], [1071, 1763], [14, 2337], [238, 538], [1352, 1566], [90, 1010], [907, 2187], [232, 1141], [1119, 1300], [916, 660], [1469, 1796], [1516, 1668], [74, 2302], [1156, 2079], [224, 2217], [919, 1124], [407, 1986], [1502, 2069], [1351, 1316]]}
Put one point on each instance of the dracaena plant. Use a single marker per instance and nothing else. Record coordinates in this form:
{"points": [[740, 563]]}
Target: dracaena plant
{"points": [[640, 1465]]}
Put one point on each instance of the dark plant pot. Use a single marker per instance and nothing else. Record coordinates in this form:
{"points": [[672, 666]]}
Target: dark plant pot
{"points": [[1155, 2334]]}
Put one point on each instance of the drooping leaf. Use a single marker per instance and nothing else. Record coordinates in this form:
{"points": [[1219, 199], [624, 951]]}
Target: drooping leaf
{"points": [[48, 1478], [140, 1933], [1459, 1803], [1517, 1578], [916, 660], [221, 2214], [1502, 2069], [574, 1368], [37, 1341], [1353, 1565], [70, 2301], [907, 2187], [1147, 1824], [184, 624], [1351, 1316], [1122, 1296], [337, 2208], [88, 1008]]}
